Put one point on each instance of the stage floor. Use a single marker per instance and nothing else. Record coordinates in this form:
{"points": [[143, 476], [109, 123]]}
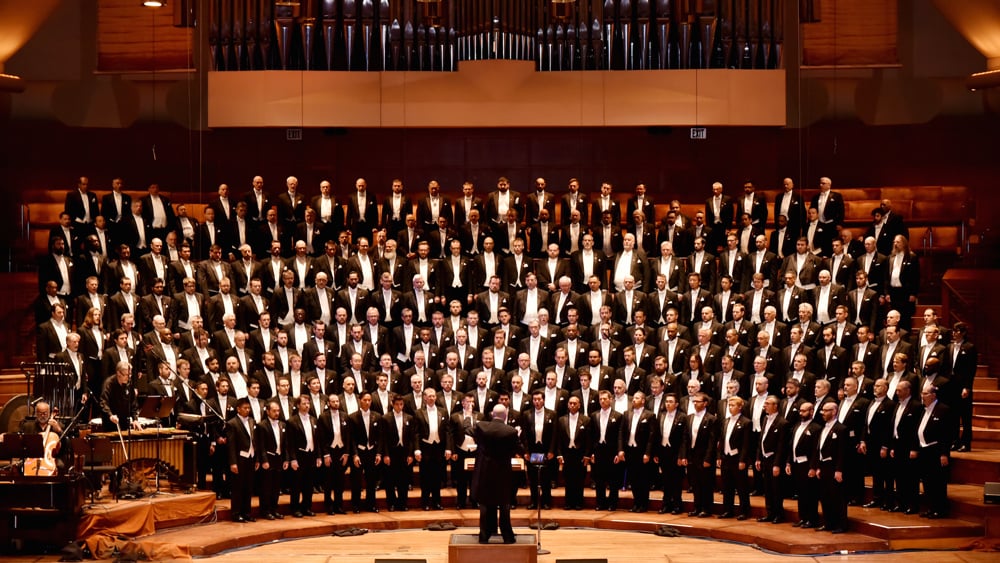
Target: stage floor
{"points": [[615, 546]]}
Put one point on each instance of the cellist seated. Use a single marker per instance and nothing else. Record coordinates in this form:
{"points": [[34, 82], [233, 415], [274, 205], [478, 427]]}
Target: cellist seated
{"points": [[51, 432]]}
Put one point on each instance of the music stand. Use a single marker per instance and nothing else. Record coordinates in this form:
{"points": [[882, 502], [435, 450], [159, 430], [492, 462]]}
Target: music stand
{"points": [[22, 446], [158, 407], [95, 450], [537, 460]]}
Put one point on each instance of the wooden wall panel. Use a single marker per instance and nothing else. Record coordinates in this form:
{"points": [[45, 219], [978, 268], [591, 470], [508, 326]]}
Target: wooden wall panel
{"points": [[852, 32], [496, 94], [133, 38]]}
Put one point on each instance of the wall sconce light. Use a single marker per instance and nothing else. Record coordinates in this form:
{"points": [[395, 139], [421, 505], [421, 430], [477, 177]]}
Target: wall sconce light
{"points": [[154, 3]]}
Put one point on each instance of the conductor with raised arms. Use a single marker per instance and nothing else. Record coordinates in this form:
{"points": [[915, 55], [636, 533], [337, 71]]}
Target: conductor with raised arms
{"points": [[491, 482]]}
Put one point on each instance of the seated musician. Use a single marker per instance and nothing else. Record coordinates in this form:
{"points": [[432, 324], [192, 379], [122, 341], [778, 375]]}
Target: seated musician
{"points": [[118, 400], [50, 429]]}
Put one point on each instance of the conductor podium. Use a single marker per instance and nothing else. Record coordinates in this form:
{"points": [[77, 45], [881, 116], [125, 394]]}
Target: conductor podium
{"points": [[465, 548]]}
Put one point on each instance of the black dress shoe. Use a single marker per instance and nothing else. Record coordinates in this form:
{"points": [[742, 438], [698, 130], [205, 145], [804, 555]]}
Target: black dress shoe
{"points": [[634, 509], [296, 514], [821, 528], [726, 514], [807, 524], [964, 449], [777, 520], [270, 516], [910, 511], [339, 511], [936, 515], [249, 518], [373, 509], [703, 514], [438, 507], [532, 506], [239, 518], [308, 513], [798, 524], [676, 511], [357, 511], [871, 504], [403, 509], [218, 496], [545, 506], [278, 516], [392, 508], [693, 513], [643, 509], [427, 508], [852, 503], [330, 513], [510, 540], [767, 518], [663, 510], [612, 507], [742, 517], [838, 531], [600, 507]]}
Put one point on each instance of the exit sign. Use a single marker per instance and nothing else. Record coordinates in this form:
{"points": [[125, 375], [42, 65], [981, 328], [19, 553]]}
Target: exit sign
{"points": [[699, 133]]}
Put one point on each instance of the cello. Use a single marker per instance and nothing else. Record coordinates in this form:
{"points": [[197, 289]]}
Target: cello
{"points": [[51, 441]]}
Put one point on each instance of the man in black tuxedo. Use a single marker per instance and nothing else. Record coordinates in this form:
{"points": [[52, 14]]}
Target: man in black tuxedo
{"points": [[497, 442], [572, 451], [802, 450], [698, 454], [366, 431], [638, 430], [303, 446], [239, 438], [433, 445], [607, 452], [935, 434], [397, 453], [540, 440], [736, 448], [335, 447], [829, 465]]}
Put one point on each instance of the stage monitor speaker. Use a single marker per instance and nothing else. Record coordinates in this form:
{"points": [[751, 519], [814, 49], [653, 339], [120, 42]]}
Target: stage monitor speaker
{"points": [[991, 493]]}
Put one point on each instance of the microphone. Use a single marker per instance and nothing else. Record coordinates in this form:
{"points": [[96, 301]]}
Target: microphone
{"points": [[38, 400]]}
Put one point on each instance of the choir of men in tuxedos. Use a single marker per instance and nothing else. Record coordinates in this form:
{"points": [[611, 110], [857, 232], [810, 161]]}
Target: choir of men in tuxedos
{"points": [[315, 337]]}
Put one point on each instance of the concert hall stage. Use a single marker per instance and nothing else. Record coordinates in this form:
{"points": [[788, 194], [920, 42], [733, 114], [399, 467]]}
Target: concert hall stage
{"points": [[871, 530]]}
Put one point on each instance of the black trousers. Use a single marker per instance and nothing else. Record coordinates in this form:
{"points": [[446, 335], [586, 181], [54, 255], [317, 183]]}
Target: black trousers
{"points": [[367, 474], [671, 477], [773, 499], [574, 472], [808, 490], [220, 470], [270, 483], [431, 472], [333, 480], [242, 486], [831, 495], [397, 477], [934, 478], [461, 478], [607, 478], [638, 476], [302, 481], [907, 479], [489, 521], [879, 467], [735, 483], [702, 480]]}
